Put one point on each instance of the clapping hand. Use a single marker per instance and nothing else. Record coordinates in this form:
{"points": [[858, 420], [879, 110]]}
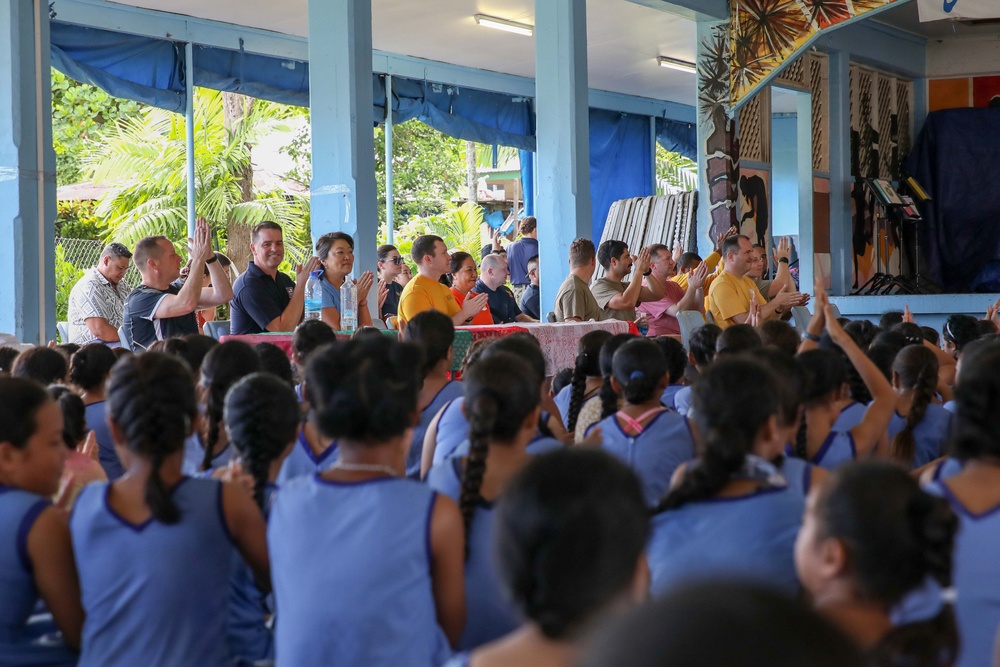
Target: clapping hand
{"points": [[697, 277], [732, 231], [754, 319], [364, 284], [642, 261], [383, 293], [782, 251], [302, 272]]}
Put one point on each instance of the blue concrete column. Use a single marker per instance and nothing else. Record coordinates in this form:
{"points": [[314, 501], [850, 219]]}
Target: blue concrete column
{"points": [[562, 169], [803, 111], [841, 246], [27, 173], [342, 193]]}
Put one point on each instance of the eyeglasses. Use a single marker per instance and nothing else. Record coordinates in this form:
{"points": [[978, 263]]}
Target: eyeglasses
{"points": [[395, 260]]}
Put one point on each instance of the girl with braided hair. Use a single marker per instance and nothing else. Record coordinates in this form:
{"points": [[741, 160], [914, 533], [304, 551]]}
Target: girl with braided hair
{"points": [[974, 495], [701, 353], [36, 562], [571, 528], [154, 547], [502, 406], [605, 403], [732, 513], [648, 437], [919, 427], [869, 539], [208, 449], [262, 418], [586, 380], [367, 563], [88, 372]]}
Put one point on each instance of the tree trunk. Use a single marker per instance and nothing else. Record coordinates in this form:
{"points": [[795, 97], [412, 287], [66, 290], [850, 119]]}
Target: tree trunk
{"points": [[237, 106], [470, 172]]}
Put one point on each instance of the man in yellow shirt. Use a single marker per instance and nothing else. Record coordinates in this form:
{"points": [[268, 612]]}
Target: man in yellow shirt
{"points": [[731, 292], [425, 291]]}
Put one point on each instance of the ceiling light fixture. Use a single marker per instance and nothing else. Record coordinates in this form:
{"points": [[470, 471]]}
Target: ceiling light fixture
{"points": [[674, 63], [505, 25]]}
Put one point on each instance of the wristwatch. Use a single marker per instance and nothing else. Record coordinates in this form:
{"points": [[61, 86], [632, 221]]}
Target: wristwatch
{"points": [[648, 272], [783, 260], [214, 259], [811, 336]]}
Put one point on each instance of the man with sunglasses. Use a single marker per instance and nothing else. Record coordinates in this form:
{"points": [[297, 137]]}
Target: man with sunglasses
{"points": [[390, 265]]}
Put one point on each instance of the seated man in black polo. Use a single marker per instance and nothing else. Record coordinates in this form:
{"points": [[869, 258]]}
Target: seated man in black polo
{"points": [[156, 309], [264, 299], [503, 305], [531, 299]]}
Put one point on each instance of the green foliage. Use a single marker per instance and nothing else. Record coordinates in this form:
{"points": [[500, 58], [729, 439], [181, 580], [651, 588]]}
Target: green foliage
{"points": [[78, 220], [144, 159], [67, 275], [675, 171], [80, 115], [460, 227]]}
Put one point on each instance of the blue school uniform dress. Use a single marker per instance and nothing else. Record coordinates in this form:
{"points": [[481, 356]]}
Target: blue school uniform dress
{"points": [[669, 395], [747, 537], [655, 453], [837, 449], [562, 401], [488, 615], [452, 431], [351, 568], [447, 393], [18, 512], [929, 435], [798, 474], [194, 454], [850, 416], [947, 468], [682, 401], [975, 575], [154, 593], [98, 423], [250, 640], [303, 461], [540, 444]]}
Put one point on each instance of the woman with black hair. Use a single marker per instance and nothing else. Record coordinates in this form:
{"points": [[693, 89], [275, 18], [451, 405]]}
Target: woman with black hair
{"points": [[433, 333], [88, 372], [958, 331], [262, 418], [605, 403], [502, 407], [367, 564], [335, 252], [461, 278], [137, 540], [570, 531], [81, 467], [919, 427], [648, 437], [701, 353], [586, 380], [36, 563], [733, 513], [870, 538], [208, 449]]}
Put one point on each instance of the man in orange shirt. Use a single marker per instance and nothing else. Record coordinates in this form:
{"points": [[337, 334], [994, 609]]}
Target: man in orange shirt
{"points": [[426, 292]]}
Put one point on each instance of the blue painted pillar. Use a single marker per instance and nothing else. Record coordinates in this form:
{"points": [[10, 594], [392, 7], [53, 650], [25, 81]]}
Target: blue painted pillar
{"points": [[27, 173], [841, 246], [562, 169], [803, 112], [527, 160], [342, 193]]}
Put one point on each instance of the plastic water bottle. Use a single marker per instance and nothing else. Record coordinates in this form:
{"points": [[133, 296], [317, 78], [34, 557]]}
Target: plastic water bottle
{"points": [[348, 305], [314, 296]]}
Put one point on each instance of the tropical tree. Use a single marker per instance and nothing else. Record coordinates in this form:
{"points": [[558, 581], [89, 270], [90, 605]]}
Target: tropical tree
{"points": [[674, 172], [460, 227], [143, 159]]}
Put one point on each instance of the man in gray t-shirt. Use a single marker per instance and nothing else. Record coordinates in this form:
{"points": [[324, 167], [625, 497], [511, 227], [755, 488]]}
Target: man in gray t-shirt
{"points": [[616, 297]]}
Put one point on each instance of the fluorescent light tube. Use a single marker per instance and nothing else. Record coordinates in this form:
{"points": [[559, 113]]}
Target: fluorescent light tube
{"points": [[673, 63], [505, 25]]}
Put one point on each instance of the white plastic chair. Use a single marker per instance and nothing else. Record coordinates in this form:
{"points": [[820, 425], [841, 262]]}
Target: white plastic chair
{"points": [[689, 321]]}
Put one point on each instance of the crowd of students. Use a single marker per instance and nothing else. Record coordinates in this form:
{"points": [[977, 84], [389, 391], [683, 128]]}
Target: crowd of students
{"points": [[744, 502]]}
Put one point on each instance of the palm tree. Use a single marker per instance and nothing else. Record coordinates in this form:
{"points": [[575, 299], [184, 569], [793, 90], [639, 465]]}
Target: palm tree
{"points": [[143, 159], [459, 227]]}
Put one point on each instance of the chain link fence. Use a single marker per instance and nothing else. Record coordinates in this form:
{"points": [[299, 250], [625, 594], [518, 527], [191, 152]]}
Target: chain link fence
{"points": [[84, 253]]}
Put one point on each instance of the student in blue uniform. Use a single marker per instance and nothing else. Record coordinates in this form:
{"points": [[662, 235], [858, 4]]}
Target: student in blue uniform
{"points": [[587, 378], [433, 332], [606, 402], [502, 407], [367, 564], [223, 367], [648, 437], [306, 339], [570, 529], [824, 377], [36, 561], [919, 427], [870, 538], [261, 416], [733, 514], [154, 548], [677, 360], [974, 494], [701, 353], [88, 372]]}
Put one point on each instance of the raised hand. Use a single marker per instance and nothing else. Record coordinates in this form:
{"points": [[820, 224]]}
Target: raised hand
{"points": [[837, 333], [302, 272], [200, 247], [364, 284], [732, 231], [383, 293], [697, 277], [782, 251], [754, 319], [473, 304], [678, 251], [89, 447], [642, 261]]}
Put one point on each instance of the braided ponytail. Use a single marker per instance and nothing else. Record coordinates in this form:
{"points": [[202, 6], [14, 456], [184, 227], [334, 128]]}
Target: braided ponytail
{"points": [[917, 369], [151, 399], [607, 395], [222, 368], [587, 365], [482, 412]]}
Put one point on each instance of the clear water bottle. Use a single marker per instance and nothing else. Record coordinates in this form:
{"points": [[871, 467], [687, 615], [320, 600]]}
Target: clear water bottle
{"points": [[314, 296], [348, 305]]}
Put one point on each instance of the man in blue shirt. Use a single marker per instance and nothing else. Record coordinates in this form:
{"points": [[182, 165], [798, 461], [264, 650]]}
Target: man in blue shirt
{"points": [[518, 254], [531, 299], [493, 275], [264, 299]]}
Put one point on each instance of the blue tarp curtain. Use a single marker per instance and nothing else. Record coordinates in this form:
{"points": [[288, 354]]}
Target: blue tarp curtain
{"points": [[151, 71], [954, 158]]}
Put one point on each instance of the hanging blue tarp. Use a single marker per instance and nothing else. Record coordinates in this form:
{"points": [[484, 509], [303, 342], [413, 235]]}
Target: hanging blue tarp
{"points": [[263, 77], [678, 136], [620, 161]]}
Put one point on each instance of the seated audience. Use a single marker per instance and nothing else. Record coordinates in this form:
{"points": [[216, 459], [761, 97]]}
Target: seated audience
{"points": [[530, 300], [7, 356], [425, 291], [779, 335], [959, 330], [519, 255], [97, 300], [156, 309], [663, 312], [335, 252], [574, 300], [337, 539], [273, 360], [89, 372], [462, 276], [570, 530], [733, 291], [616, 296], [606, 402], [677, 361], [737, 339], [701, 353], [390, 266], [41, 364], [264, 298], [502, 303], [81, 467], [587, 379], [919, 427]]}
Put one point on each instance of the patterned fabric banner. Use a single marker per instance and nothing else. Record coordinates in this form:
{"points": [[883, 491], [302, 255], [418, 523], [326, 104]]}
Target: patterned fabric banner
{"points": [[764, 34]]}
